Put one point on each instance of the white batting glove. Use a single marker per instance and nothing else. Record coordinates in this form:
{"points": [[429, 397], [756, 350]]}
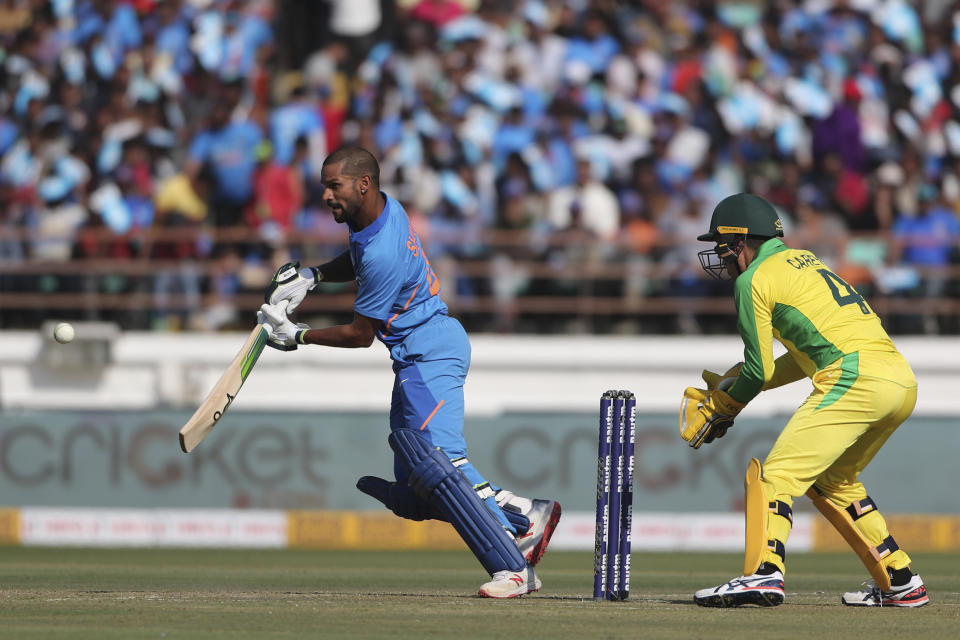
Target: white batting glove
{"points": [[283, 332], [291, 283]]}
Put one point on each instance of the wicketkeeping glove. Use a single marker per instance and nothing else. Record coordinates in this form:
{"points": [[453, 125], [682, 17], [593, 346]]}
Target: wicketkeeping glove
{"points": [[706, 415], [290, 282], [284, 334], [721, 380]]}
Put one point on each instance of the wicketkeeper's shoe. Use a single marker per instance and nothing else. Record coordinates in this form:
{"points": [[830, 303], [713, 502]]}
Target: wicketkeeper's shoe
{"points": [[761, 590], [912, 594], [511, 584]]}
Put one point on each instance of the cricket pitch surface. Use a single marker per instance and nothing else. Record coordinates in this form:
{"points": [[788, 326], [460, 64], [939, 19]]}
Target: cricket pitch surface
{"points": [[255, 594]]}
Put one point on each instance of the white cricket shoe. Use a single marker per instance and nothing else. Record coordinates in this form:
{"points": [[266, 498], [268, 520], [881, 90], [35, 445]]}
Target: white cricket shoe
{"points": [[511, 584], [763, 591], [912, 594], [543, 516]]}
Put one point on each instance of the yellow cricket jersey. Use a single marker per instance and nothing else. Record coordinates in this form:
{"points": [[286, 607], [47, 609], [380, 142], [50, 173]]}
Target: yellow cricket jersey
{"points": [[788, 294]]}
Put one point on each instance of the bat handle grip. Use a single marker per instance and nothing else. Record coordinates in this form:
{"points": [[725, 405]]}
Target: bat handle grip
{"points": [[282, 305]]}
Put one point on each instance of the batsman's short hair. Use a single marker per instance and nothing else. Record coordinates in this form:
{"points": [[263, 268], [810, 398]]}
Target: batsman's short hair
{"points": [[356, 162]]}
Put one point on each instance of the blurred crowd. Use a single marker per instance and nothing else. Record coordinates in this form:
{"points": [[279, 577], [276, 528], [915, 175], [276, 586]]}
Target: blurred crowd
{"points": [[532, 142]]}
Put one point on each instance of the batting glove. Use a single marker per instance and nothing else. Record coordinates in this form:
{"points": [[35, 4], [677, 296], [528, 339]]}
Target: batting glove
{"points": [[291, 283], [285, 335]]}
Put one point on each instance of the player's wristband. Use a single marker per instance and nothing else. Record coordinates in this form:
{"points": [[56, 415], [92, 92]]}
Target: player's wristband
{"points": [[317, 274], [300, 336]]}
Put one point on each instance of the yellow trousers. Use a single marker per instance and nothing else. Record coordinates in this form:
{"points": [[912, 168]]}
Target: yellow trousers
{"points": [[857, 404]]}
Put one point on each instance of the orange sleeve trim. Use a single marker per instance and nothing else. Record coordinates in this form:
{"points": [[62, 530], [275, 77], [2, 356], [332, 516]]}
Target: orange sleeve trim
{"points": [[430, 417]]}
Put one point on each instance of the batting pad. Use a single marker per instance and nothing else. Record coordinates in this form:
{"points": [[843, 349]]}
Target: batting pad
{"points": [[760, 536], [434, 479], [399, 498], [755, 526], [403, 501], [871, 556]]}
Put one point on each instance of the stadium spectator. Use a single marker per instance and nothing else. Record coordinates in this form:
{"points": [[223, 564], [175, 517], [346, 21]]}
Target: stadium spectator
{"points": [[181, 206], [57, 219], [927, 242], [172, 35], [298, 118], [840, 131], [520, 210], [855, 106], [277, 195], [591, 199], [227, 147], [355, 23], [437, 12], [14, 18]]}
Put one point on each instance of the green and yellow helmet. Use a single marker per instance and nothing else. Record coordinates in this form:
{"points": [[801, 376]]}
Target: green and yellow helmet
{"points": [[739, 216]]}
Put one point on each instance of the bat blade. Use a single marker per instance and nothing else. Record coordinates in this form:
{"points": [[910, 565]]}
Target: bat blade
{"points": [[220, 398]]}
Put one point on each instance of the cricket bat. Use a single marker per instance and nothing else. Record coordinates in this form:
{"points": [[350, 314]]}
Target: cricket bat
{"points": [[220, 398]]}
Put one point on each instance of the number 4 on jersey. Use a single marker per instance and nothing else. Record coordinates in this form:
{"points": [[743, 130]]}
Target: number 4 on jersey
{"points": [[835, 282]]}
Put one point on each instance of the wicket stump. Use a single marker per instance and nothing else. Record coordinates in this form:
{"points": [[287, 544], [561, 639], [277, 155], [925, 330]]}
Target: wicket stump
{"points": [[615, 461]]}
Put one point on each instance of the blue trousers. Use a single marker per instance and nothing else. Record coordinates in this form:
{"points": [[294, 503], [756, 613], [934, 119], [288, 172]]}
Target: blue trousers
{"points": [[430, 367]]}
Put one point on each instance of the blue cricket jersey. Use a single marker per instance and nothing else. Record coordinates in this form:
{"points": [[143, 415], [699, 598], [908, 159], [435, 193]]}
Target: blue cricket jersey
{"points": [[289, 122], [395, 282], [229, 151]]}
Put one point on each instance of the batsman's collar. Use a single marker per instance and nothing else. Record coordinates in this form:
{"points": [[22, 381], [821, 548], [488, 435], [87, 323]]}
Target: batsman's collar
{"points": [[363, 235]]}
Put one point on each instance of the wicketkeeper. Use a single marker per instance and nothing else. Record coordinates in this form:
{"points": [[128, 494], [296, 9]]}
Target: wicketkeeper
{"points": [[863, 389], [398, 302]]}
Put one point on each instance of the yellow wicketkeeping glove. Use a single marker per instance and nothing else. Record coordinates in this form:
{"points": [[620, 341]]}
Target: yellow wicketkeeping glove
{"points": [[721, 380], [706, 415]]}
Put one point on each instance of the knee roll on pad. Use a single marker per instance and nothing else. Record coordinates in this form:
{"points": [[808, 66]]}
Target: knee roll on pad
{"points": [[436, 481], [843, 521], [430, 473]]}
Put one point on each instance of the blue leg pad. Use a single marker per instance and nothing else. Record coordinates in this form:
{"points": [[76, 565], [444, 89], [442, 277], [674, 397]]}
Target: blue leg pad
{"points": [[399, 498], [403, 502], [435, 480]]}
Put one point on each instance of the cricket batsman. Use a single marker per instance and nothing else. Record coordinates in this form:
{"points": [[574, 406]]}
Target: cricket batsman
{"points": [[398, 303], [863, 389]]}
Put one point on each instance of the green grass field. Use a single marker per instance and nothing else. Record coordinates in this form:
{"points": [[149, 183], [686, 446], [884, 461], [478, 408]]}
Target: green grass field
{"points": [[165, 593]]}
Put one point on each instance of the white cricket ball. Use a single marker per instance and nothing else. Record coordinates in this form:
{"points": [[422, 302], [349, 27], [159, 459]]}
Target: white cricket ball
{"points": [[63, 332]]}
